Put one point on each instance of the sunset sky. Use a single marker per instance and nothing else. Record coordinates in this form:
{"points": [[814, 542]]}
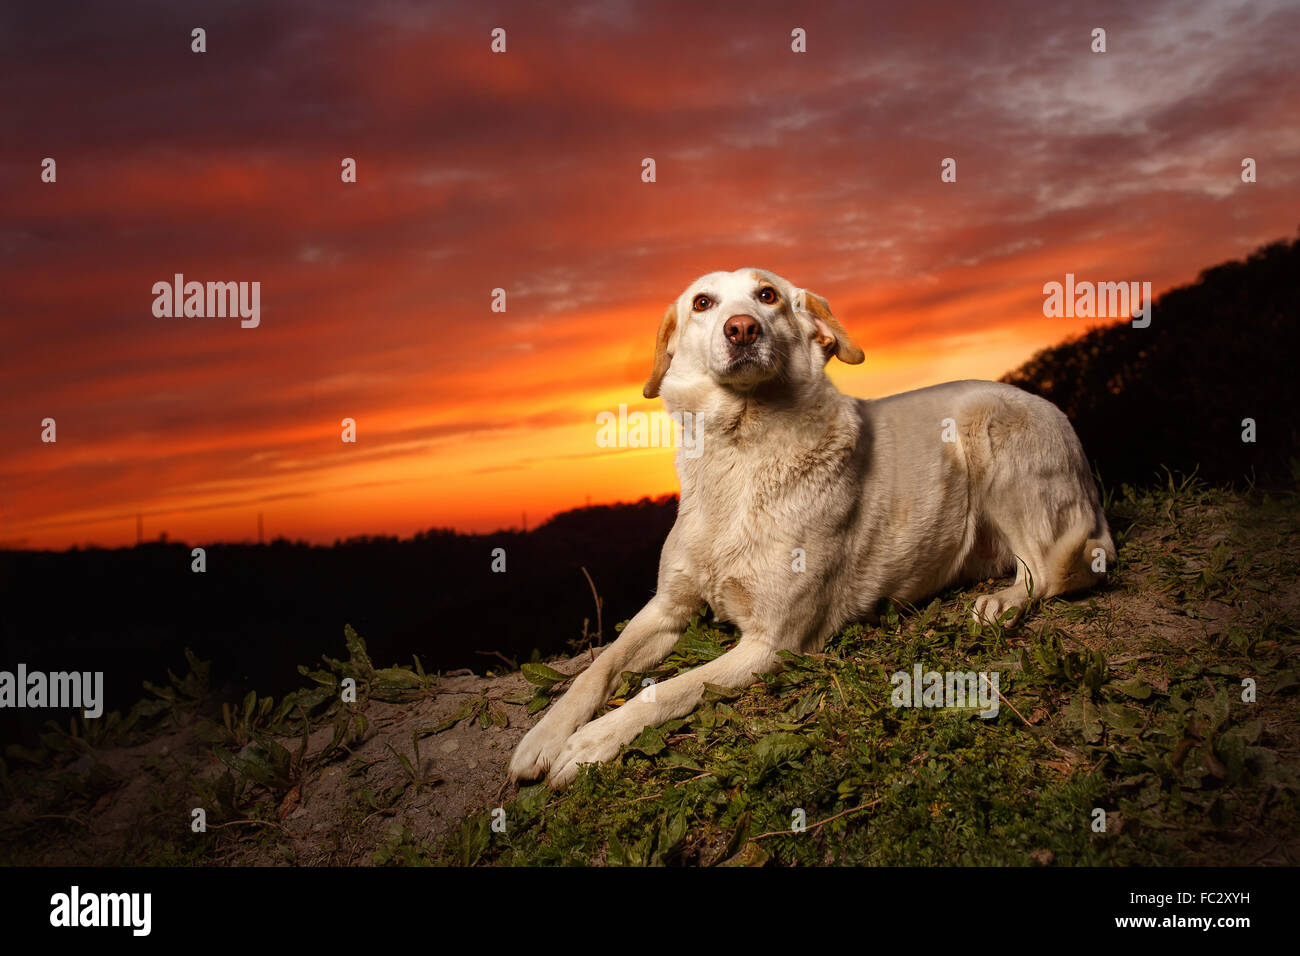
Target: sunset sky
{"points": [[522, 170]]}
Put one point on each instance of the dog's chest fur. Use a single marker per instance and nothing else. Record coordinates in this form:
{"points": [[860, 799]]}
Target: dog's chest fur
{"points": [[755, 504]]}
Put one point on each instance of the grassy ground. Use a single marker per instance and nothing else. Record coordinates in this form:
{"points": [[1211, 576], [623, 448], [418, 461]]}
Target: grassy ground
{"points": [[1122, 737]]}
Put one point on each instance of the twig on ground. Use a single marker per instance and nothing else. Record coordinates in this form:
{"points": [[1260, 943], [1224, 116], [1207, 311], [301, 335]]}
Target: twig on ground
{"points": [[814, 826]]}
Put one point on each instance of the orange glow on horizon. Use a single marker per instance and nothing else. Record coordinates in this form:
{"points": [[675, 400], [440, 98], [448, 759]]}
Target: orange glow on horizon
{"points": [[523, 172]]}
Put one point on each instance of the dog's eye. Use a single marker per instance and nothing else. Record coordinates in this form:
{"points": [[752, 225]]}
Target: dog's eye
{"points": [[767, 294], [701, 303]]}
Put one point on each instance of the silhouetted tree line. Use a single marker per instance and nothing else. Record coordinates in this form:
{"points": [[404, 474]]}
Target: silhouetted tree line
{"points": [[1176, 393], [258, 611]]}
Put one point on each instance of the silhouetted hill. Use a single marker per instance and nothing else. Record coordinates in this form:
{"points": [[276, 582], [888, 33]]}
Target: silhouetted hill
{"points": [[258, 611], [1218, 351]]}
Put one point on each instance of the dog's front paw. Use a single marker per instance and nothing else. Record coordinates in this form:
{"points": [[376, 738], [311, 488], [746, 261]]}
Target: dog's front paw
{"points": [[537, 752], [600, 740]]}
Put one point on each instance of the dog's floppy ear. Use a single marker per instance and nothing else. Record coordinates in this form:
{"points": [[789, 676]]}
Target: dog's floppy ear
{"points": [[667, 326], [830, 334]]}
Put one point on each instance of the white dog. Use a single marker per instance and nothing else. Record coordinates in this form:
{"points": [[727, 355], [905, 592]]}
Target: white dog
{"points": [[804, 508]]}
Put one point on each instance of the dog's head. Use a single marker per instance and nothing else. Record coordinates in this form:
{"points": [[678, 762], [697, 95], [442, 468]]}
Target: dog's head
{"points": [[741, 329]]}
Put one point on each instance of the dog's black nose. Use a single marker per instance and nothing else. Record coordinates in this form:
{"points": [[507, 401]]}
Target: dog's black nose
{"points": [[741, 330]]}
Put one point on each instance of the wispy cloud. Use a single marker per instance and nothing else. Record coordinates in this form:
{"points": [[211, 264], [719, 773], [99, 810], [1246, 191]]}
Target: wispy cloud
{"points": [[521, 171]]}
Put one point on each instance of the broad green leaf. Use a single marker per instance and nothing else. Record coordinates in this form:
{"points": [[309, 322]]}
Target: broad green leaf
{"points": [[650, 741], [1136, 688], [542, 675]]}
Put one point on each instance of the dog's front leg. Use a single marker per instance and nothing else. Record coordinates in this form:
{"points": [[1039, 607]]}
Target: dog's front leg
{"points": [[645, 642], [601, 739]]}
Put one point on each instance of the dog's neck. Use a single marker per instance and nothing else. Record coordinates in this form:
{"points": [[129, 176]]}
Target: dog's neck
{"points": [[788, 416]]}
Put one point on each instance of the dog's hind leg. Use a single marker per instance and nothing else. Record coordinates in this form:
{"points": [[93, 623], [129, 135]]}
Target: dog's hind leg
{"points": [[1034, 492], [1048, 563], [1030, 545]]}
